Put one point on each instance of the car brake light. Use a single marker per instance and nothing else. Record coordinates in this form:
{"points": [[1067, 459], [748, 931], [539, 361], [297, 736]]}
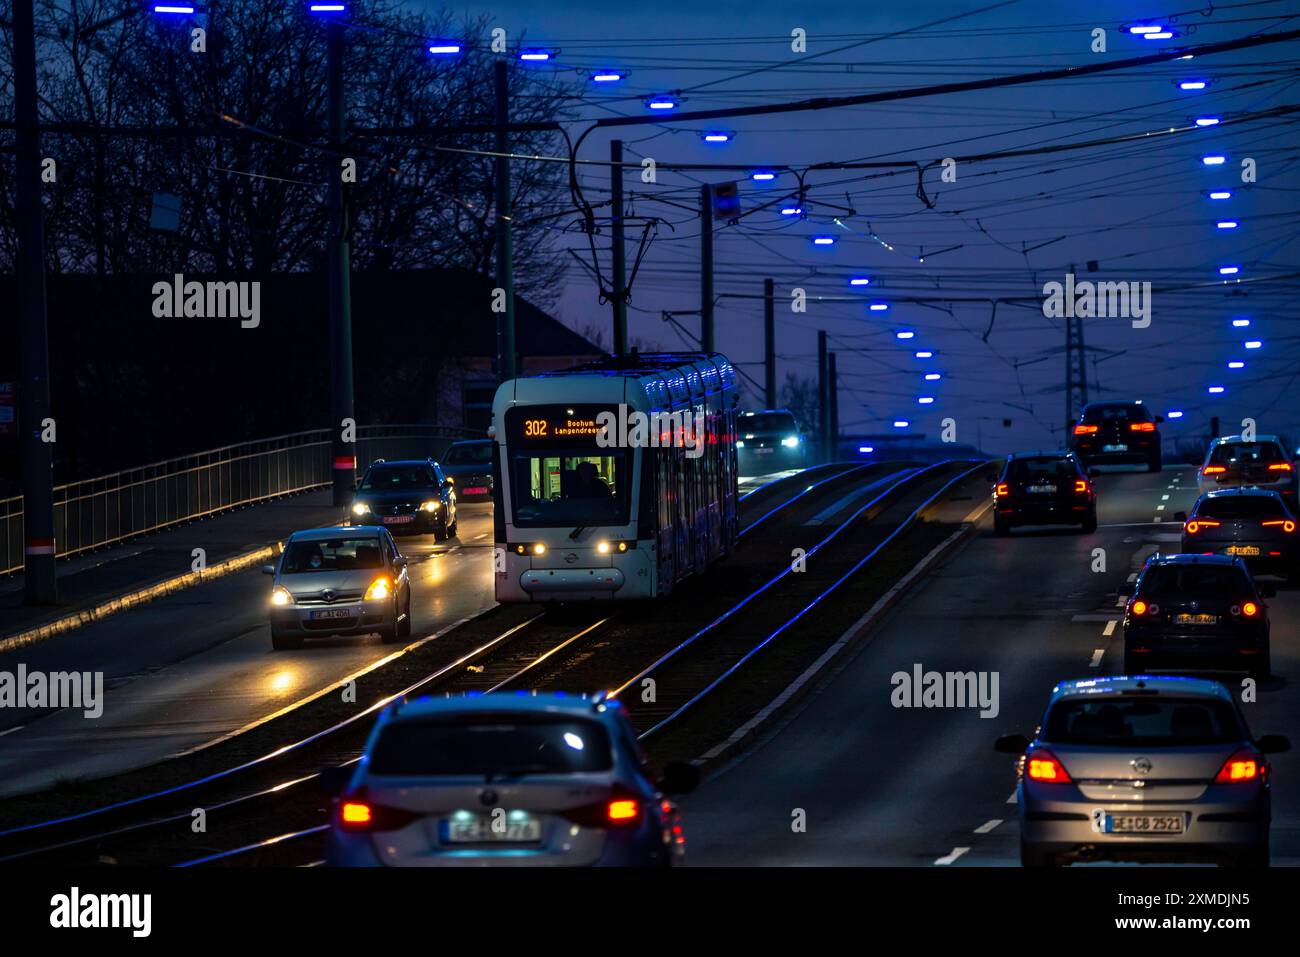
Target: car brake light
{"points": [[1244, 765], [1214, 469], [359, 814], [355, 815], [1250, 609], [1286, 523], [1197, 524], [1002, 489], [1139, 607], [1142, 426], [623, 810], [1080, 485], [1042, 766], [1084, 429], [1280, 467]]}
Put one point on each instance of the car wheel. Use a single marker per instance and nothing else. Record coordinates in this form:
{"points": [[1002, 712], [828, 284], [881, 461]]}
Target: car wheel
{"points": [[1001, 526], [1155, 465], [404, 626], [451, 530], [1265, 669], [1033, 856], [282, 641], [1128, 666], [439, 534], [1090, 523]]}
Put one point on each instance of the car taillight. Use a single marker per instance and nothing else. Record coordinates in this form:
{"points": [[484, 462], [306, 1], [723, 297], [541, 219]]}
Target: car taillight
{"points": [[1280, 467], [1084, 429], [1286, 523], [1249, 609], [359, 814], [623, 810], [1042, 766], [1080, 486], [1244, 765], [1002, 489], [1196, 524], [1139, 607], [1214, 469], [354, 815], [1142, 426]]}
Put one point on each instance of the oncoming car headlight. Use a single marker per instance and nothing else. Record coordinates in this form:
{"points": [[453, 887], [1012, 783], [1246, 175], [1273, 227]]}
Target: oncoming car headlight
{"points": [[431, 506], [360, 508], [280, 596], [790, 441], [378, 589]]}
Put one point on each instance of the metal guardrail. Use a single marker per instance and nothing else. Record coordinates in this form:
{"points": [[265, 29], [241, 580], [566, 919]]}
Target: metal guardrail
{"points": [[109, 509]]}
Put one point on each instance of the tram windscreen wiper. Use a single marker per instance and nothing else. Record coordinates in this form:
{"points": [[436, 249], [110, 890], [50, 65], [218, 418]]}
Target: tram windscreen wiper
{"points": [[573, 535]]}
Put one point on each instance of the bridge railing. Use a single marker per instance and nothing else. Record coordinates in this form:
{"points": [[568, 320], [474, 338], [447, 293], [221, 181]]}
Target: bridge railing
{"points": [[112, 508]]}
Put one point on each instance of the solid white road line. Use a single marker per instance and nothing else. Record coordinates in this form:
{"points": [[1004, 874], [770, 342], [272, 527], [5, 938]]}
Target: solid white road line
{"points": [[17, 727], [1012, 799], [1096, 658], [952, 856], [1110, 628], [988, 825]]}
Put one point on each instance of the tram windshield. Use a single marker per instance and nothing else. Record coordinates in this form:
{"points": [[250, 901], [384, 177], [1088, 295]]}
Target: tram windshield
{"points": [[571, 488]]}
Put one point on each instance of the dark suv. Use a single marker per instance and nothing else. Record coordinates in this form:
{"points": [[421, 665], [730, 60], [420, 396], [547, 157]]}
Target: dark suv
{"points": [[406, 496], [1196, 613], [1117, 433], [769, 441], [1043, 488]]}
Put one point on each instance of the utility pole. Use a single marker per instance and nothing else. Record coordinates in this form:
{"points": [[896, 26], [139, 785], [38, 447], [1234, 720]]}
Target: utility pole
{"points": [[706, 268], [39, 583], [339, 253], [616, 217], [823, 396], [833, 388], [505, 256], [769, 345]]}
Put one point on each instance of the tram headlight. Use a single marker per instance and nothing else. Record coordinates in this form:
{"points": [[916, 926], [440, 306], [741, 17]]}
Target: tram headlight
{"points": [[539, 548], [602, 547]]}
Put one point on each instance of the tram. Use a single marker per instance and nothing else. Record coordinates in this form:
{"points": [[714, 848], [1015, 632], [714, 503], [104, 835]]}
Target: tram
{"points": [[615, 479]]}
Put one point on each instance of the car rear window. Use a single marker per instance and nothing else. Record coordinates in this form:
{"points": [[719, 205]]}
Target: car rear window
{"points": [[1243, 454], [491, 745], [398, 478], [767, 422], [1046, 466], [1105, 413], [1203, 580], [1142, 720], [475, 453], [1242, 506], [333, 555]]}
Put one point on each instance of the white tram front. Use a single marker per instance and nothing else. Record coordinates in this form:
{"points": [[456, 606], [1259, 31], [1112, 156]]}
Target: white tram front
{"points": [[614, 480]]}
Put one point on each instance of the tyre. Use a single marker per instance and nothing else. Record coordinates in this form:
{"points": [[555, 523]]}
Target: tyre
{"points": [[1033, 856], [1129, 666], [451, 530], [1001, 527], [439, 534], [1090, 523], [404, 626], [1265, 669], [282, 641], [1155, 465]]}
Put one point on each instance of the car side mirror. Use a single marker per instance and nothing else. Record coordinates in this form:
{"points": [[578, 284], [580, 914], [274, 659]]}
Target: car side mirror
{"points": [[335, 778], [1180, 516], [1094, 473], [401, 561], [1267, 591], [1273, 743], [1159, 419], [448, 481], [679, 777], [268, 569], [1011, 744], [1127, 588]]}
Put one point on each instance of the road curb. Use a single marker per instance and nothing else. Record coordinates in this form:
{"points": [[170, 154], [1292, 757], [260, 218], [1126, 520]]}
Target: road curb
{"points": [[103, 609], [745, 735]]}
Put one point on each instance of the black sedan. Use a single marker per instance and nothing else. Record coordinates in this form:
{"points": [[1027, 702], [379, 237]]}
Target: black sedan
{"points": [[1117, 433], [1196, 613], [1043, 488], [406, 496]]}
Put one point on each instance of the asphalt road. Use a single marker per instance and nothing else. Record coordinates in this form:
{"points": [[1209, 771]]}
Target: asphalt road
{"points": [[193, 667], [879, 785]]}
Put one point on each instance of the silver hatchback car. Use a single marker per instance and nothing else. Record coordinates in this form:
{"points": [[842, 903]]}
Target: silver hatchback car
{"points": [[1232, 462], [506, 780], [1143, 769], [339, 581]]}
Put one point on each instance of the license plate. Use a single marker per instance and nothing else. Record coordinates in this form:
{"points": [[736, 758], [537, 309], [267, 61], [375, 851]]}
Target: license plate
{"points": [[398, 519], [479, 830], [1243, 549], [1043, 489], [325, 613], [1144, 824], [764, 451], [475, 490], [1196, 619], [1114, 448]]}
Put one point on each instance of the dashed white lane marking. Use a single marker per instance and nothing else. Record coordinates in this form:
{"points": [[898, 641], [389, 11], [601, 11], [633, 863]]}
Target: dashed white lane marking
{"points": [[988, 825], [1164, 498], [1160, 508], [1012, 799], [1121, 601], [1133, 576], [1158, 520], [1110, 628], [950, 857], [479, 538], [1096, 658]]}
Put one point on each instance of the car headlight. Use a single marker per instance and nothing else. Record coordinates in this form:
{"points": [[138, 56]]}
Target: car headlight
{"points": [[360, 508], [378, 589], [790, 441], [431, 506], [281, 596], [740, 443]]}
